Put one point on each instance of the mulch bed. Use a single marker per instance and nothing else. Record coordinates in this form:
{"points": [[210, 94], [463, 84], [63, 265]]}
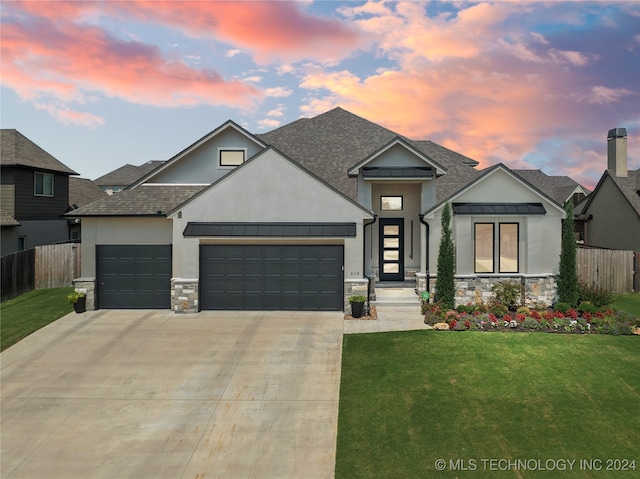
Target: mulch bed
{"points": [[373, 315]]}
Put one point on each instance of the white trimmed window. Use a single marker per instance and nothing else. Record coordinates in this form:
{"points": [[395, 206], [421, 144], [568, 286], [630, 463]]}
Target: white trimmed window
{"points": [[230, 158], [43, 184]]}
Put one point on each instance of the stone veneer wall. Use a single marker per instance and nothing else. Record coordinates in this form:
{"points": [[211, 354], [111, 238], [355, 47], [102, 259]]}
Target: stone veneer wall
{"points": [[475, 289], [88, 287], [354, 287], [184, 296]]}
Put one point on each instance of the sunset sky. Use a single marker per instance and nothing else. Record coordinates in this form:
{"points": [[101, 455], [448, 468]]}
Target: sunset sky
{"points": [[100, 84]]}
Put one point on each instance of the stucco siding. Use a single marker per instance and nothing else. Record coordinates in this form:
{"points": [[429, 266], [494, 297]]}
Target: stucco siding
{"points": [[269, 189], [201, 166], [129, 230]]}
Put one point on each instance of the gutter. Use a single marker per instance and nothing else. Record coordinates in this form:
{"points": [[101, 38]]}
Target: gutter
{"points": [[426, 252], [364, 258]]}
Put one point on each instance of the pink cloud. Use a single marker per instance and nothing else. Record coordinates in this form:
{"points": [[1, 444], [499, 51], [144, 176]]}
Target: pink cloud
{"points": [[67, 61]]}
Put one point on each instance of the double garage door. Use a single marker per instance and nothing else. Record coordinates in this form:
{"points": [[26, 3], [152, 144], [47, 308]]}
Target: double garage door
{"points": [[245, 277], [272, 277]]}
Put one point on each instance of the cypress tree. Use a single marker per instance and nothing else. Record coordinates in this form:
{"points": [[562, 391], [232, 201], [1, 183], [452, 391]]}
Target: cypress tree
{"points": [[445, 282], [568, 277]]}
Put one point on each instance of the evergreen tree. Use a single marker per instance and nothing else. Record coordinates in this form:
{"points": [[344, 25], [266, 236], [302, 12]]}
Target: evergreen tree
{"points": [[445, 283], [568, 277]]}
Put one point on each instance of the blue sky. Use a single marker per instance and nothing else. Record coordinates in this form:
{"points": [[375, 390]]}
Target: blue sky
{"points": [[531, 85]]}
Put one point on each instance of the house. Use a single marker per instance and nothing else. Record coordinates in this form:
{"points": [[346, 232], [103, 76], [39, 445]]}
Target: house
{"points": [[82, 191], [560, 188], [610, 216], [308, 214], [122, 177], [34, 194]]}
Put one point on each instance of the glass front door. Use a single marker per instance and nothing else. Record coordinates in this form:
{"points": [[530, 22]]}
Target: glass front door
{"points": [[391, 249]]}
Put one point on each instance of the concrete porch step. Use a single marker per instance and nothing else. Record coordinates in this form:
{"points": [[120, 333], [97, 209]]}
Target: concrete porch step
{"points": [[396, 296]]}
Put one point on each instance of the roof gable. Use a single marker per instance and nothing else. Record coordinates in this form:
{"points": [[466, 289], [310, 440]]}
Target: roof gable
{"points": [[170, 163], [560, 188], [528, 192], [377, 157], [271, 187], [629, 188], [18, 150], [127, 174]]}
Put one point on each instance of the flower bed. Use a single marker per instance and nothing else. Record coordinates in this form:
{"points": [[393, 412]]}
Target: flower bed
{"points": [[584, 320]]}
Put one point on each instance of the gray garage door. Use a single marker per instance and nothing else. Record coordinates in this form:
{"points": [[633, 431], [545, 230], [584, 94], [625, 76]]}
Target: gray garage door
{"points": [[272, 277], [134, 276]]}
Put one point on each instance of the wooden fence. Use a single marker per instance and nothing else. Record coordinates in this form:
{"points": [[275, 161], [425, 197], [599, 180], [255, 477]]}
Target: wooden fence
{"points": [[47, 266], [608, 269]]}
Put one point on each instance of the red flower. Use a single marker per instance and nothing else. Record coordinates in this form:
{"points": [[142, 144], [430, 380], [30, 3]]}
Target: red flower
{"points": [[467, 324], [453, 323], [573, 314], [586, 316], [521, 317], [559, 314]]}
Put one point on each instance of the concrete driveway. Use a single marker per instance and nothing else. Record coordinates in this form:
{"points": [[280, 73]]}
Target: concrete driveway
{"points": [[150, 394]]}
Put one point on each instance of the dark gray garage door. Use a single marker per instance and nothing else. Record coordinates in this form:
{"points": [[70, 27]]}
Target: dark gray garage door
{"points": [[134, 276], [272, 277]]}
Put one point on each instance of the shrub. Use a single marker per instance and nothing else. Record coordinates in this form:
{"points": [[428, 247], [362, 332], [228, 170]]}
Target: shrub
{"points": [[498, 309], [465, 308], [523, 310], [597, 296], [433, 313], [562, 307], [531, 323], [568, 277], [445, 281], [587, 307], [480, 308], [508, 293]]}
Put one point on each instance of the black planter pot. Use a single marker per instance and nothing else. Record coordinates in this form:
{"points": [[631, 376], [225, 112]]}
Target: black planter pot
{"points": [[80, 306], [356, 309]]}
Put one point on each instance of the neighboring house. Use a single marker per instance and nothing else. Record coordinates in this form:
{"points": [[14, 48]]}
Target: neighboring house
{"points": [[560, 188], [124, 176], [34, 194], [611, 214], [82, 191], [301, 218]]}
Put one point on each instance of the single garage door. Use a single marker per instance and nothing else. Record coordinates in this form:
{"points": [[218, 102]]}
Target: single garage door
{"points": [[134, 276], [272, 277]]}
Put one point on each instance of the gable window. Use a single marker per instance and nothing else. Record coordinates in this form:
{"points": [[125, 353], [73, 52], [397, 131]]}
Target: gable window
{"points": [[43, 184], [485, 247], [483, 241], [230, 158], [391, 203]]}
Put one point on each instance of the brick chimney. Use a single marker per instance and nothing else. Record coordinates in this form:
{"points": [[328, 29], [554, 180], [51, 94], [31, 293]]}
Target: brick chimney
{"points": [[617, 152]]}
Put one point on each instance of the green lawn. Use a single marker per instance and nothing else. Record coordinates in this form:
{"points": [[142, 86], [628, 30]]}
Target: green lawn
{"points": [[21, 316], [408, 399], [628, 302]]}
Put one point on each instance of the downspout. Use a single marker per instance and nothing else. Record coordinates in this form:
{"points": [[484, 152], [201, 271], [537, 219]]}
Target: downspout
{"points": [[426, 253], [364, 257]]}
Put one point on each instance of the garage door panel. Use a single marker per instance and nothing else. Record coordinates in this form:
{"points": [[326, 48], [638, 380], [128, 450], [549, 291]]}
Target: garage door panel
{"points": [[272, 277]]}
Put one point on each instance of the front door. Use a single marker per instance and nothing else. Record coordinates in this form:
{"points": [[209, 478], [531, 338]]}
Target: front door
{"points": [[391, 249]]}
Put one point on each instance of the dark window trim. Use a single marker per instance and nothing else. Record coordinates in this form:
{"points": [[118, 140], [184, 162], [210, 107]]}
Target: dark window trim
{"points": [[475, 248], [223, 150], [517, 246], [392, 196], [35, 184]]}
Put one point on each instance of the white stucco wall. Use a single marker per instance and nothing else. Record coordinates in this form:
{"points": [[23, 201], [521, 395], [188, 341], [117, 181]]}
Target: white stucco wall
{"points": [[201, 166], [268, 189], [118, 230], [539, 235]]}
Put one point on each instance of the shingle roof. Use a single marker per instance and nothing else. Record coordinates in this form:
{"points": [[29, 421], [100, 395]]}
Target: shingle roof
{"points": [[629, 186], [18, 150], [331, 143], [144, 200], [127, 174], [83, 191], [6, 219], [560, 188]]}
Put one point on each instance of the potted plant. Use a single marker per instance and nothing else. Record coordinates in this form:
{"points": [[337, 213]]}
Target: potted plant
{"points": [[357, 305], [79, 301]]}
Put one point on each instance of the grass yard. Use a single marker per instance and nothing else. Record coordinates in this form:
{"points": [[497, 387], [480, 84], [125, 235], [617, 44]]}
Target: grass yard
{"points": [[628, 302], [408, 399], [21, 316]]}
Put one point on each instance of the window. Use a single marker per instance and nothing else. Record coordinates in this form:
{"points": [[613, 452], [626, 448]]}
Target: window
{"points": [[231, 158], [484, 247], [508, 245], [391, 203], [43, 184], [22, 243]]}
